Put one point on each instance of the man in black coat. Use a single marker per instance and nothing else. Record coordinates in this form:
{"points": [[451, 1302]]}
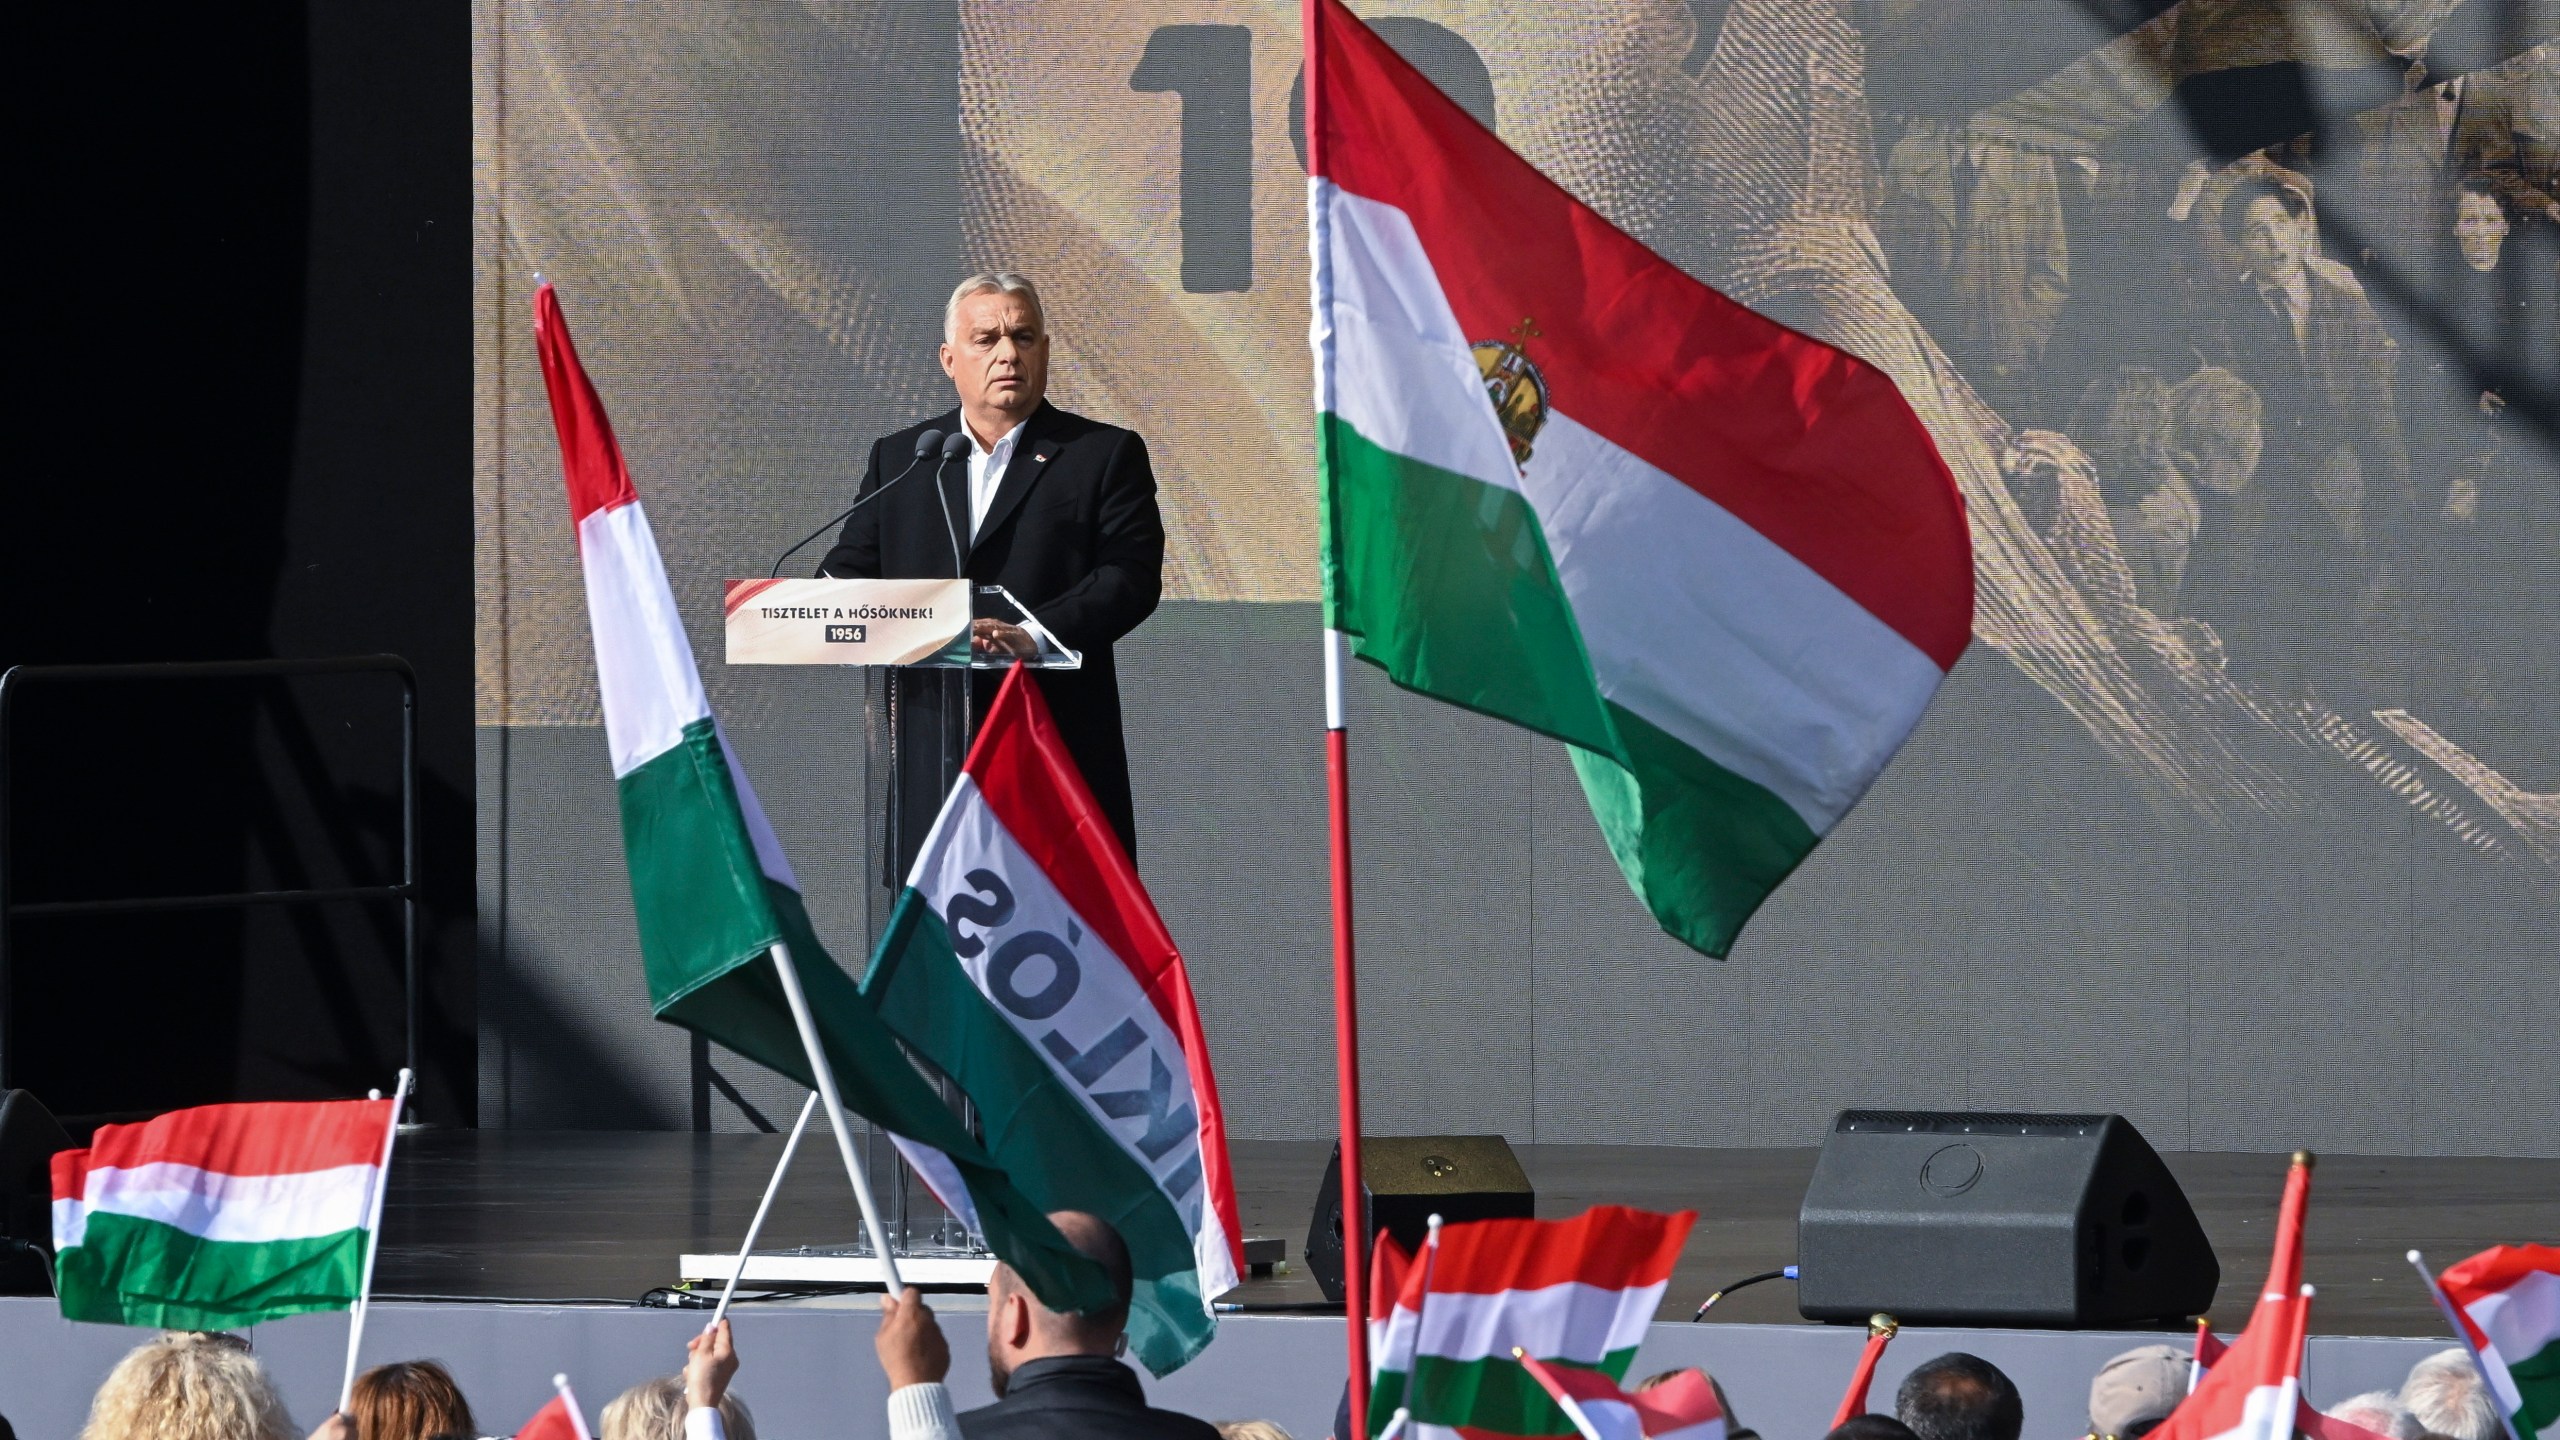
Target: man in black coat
{"points": [[1058, 509], [1056, 1377]]}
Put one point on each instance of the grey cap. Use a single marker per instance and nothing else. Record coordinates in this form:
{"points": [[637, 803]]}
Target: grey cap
{"points": [[2138, 1385]]}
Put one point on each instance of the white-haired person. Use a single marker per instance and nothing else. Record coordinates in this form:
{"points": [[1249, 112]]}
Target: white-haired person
{"points": [[2379, 1411], [2449, 1398]]}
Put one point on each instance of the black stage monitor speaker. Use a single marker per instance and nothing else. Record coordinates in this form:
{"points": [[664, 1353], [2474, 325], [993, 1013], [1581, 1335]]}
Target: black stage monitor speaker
{"points": [[1977, 1218], [29, 1136], [1409, 1179]]}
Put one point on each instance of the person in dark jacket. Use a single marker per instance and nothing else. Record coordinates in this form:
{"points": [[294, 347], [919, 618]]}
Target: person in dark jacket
{"points": [[1059, 1377], [1058, 509]]}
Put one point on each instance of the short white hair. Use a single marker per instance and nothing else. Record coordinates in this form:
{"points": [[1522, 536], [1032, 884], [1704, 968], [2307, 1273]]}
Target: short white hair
{"points": [[1000, 282], [2381, 1412], [2448, 1397]]}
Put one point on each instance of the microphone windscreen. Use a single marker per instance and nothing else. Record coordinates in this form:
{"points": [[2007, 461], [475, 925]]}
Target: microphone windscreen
{"points": [[957, 447], [927, 443]]}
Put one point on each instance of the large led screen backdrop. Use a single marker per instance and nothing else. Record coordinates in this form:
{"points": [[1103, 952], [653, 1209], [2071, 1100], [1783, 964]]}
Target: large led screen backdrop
{"points": [[2235, 320]]}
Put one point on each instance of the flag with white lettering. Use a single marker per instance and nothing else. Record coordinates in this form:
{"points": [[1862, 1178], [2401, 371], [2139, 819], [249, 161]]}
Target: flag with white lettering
{"points": [[1026, 961]]}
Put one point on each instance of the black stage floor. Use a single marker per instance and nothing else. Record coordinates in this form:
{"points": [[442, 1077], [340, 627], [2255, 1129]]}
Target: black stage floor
{"points": [[512, 1215]]}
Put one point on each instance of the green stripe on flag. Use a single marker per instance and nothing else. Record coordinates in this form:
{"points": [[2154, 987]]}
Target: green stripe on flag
{"points": [[131, 1271], [1485, 625], [700, 894], [1038, 1129], [1495, 1393], [1701, 845], [2537, 1380], [1488, 626]]}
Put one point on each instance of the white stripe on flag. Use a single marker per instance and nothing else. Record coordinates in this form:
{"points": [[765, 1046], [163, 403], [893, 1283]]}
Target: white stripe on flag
{"points": [[769, 857], [1572, 1321], [1729, 644], [1405, 375], [1102, 1038], [644, 663], [1605, 1419], [220, 1206], [941, 1177]]}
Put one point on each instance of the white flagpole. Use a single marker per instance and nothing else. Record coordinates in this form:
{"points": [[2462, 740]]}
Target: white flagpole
{"points": [[2462, 1337], [577, 1419], [825, 1075], [372, 1239], [772, 1188]]}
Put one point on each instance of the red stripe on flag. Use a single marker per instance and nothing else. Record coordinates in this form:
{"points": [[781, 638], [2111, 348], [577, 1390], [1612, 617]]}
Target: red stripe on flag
{"points": [[2498, 1269], [1608, 1246], [1686, 1399], [1022, 767], [260, 1139], [1812, 447], [590, 456]]}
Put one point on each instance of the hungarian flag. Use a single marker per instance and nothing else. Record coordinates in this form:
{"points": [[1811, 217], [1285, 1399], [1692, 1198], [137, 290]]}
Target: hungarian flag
{"points": [[2508, 1300], [2252, 1389], [1683, 1406], [559, 1420], [1575, 1293], [1025, 961], [220, 1216], [709, 883], [1568, 486]]}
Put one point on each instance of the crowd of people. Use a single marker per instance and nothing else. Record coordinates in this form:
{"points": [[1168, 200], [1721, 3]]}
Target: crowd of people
{"points": [[1059, 1376]]}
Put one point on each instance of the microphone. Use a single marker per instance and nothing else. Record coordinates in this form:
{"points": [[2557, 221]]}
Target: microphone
{"points": [[956, 447], [926, 444]]}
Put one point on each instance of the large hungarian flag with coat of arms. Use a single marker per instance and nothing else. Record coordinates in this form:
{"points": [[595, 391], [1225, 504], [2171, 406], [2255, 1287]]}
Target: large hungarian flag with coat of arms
{"points": [[1569, 486]]}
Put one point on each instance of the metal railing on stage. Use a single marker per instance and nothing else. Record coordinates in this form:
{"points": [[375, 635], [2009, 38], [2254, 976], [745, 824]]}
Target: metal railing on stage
{"points": [[12, 910]]}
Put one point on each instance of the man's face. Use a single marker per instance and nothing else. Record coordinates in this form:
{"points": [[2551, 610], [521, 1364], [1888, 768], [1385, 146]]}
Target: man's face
{"points": [[2272, 239], [998, 357], [2479, 227]]}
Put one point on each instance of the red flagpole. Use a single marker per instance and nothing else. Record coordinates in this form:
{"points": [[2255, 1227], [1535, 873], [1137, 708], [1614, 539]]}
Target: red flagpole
{"points": [[1337, 766]]}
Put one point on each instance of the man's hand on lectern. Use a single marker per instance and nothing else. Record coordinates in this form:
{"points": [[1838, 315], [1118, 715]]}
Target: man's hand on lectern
{"points": [[994, 637]]}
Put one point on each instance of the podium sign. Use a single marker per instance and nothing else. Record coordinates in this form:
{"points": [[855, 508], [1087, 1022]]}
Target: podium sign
{"points": [[844, 622]]}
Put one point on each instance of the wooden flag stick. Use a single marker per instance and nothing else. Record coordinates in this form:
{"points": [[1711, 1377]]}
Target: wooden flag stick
{"points": [[372, 1239], [755, 1227]]}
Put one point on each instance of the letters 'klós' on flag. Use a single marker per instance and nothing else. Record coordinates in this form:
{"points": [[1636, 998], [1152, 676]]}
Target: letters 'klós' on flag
{"points": [[2509, 1300], [1568, 486], [1026, 962], [220, 1216], [710, 885], [1571, 1293]]}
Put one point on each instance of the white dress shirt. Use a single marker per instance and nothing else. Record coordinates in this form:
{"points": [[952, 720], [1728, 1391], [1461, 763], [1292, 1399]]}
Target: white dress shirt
{"points": [[986, 470]]}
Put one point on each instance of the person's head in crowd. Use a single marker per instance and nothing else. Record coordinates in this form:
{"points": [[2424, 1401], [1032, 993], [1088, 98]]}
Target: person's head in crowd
{"points": [[411, 1400], [2215, 437], [2480, 224], [2448, 1397], [188, 1385], [654, 1410], [2123, 424], [1960, 1397], [2379, 1411], [1870, 1427], [1021, 1329], [1250, 1430], [2135, 1391], [2268, 221]]}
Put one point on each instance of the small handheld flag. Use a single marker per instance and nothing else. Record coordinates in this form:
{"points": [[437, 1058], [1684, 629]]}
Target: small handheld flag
{"points": [[1683, 1406], [559, 1420], [223, 1215], [2504, 1306]]}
